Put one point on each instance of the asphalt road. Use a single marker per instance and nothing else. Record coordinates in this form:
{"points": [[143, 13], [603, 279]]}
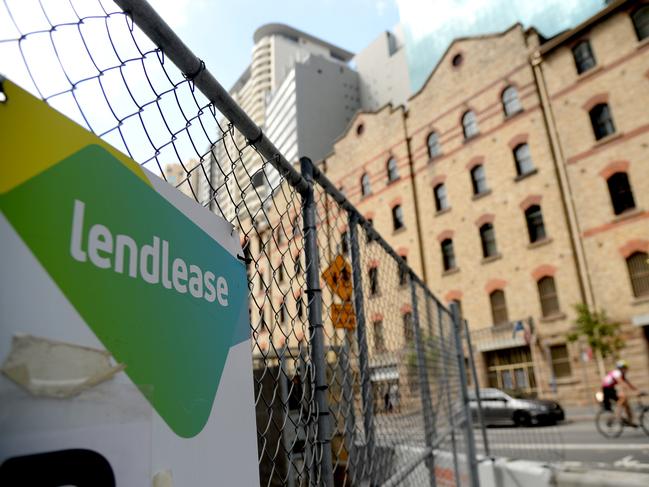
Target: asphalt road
{"points": [[570, 441]]}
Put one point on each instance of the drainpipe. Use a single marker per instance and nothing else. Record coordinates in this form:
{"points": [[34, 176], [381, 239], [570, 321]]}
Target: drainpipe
{"points": [[568, 203], [411, 163]]}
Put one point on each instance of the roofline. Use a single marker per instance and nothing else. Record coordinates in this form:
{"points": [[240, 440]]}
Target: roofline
{"points": [[558, 40], [279, 29]]}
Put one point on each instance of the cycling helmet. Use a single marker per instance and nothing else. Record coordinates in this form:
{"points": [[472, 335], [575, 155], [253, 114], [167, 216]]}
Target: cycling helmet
{"points": [[621, 364]]}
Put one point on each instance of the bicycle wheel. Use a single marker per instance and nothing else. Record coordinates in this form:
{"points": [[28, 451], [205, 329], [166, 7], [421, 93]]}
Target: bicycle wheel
{"points": [[608, 424], [644, 420]]}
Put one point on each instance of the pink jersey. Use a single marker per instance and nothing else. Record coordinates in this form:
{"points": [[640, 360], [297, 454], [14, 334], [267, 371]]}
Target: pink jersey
{"points": [[612, 378]]}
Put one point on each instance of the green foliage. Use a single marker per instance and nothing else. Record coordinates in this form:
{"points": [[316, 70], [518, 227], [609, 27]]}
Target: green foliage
{"points": [[431, 352], [600, 333]]}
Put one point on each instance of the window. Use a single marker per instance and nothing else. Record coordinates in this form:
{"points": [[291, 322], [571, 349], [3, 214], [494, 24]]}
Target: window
{"points": [[379, 338], [433, 145], [282, 311], [457, 60], [279, 235], [448, 255], [560, 361], [262, 282], [548, 296], [620, 191], [299, 307], [479, 180], [368, 238], [584, 59], [523, 159], [602, 121], [498, 307], [397, 218], [393, 172], [641, 22], [344, 243], [511, 102], [488, 239], [535, 226], [280, 273], [441, 198], [638, 266], [408, 328], [373, 275], [403, 273], [296, 226], [469, 124], [458, 303], [297, 266], [366, 189]]}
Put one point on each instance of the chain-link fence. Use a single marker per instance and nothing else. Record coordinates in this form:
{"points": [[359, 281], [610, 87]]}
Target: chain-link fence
{"points": [[359, 371]]}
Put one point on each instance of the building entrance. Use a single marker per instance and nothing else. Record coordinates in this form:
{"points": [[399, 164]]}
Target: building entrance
{"points": [[511, 370]]}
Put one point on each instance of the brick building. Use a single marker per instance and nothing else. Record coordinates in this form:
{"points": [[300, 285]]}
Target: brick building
{"points": [[517, 185]]}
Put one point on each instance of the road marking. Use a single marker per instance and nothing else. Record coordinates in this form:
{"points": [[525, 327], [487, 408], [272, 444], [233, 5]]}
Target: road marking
{"points": [[570, 446], [630, 462]]}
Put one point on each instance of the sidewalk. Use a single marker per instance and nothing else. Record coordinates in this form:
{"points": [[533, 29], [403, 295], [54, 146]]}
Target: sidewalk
{"points": [[580, 413]]}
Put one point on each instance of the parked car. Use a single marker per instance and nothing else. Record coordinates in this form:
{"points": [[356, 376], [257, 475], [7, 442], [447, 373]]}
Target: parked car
{"points": [[501, 408]]}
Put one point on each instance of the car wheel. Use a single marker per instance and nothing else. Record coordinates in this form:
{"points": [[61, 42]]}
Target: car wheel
{"points": [[521, 418]]}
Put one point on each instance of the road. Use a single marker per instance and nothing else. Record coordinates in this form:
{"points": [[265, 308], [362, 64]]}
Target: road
{"points": [[570, 441], [576, 441]]}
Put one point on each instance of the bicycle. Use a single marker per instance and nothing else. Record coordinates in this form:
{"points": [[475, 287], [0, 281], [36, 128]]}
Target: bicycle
{"points": [[610, 425]]}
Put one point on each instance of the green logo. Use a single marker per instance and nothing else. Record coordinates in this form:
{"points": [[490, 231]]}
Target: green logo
{"points": [[162, 295]]}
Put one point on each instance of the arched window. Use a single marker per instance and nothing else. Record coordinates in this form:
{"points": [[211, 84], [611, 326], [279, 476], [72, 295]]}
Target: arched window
{"points": [[488, 239], [511, 102], [433, 145], [602, 121], [641, 22], [408, 328], [282, 311], [441, 198], [403, 272], [523, 158], [479, 179], [620, 192], [373, 275], [584, 58], [296, 226], [448, 255], [548, 296], [397, 218], [535, 226], [366, 189], [393, 172], [379, 338], [344, 242], [458, 303], [469, 124], [638, 266], [498, 307]]}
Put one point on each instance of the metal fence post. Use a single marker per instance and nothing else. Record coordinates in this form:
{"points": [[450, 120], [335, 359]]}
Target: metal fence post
{"points": [[347, 400], [316, 332], [476, 385], [472, 458], [366, 384], [429, 414], [447, 388]]}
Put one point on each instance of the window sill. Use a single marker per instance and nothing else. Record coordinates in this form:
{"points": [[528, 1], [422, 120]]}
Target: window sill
{"points": [[520, 177], [643, 43], [442, 212], [627, 214], [481, 195], [491, 258], [553, 317], [609, 138], [375, 295], [393, 181], [450, 272], [399, 230], [539, 243], [471, 138], [564, 381], [434, 158], [587, 74], [515, 114], [640, 300]]}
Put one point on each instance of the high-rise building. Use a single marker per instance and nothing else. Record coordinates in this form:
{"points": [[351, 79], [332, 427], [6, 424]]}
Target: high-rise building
{"points": [[291, 73]]}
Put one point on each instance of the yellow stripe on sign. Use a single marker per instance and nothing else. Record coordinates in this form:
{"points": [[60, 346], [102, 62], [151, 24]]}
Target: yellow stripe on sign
{"points": [[36, 137]]}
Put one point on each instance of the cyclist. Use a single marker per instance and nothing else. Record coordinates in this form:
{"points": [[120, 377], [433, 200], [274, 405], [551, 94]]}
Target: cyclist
{"points": [[612, 379]]}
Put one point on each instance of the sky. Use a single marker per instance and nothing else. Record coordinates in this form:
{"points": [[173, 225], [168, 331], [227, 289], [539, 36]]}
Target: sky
{"points": [[220, 31]]}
